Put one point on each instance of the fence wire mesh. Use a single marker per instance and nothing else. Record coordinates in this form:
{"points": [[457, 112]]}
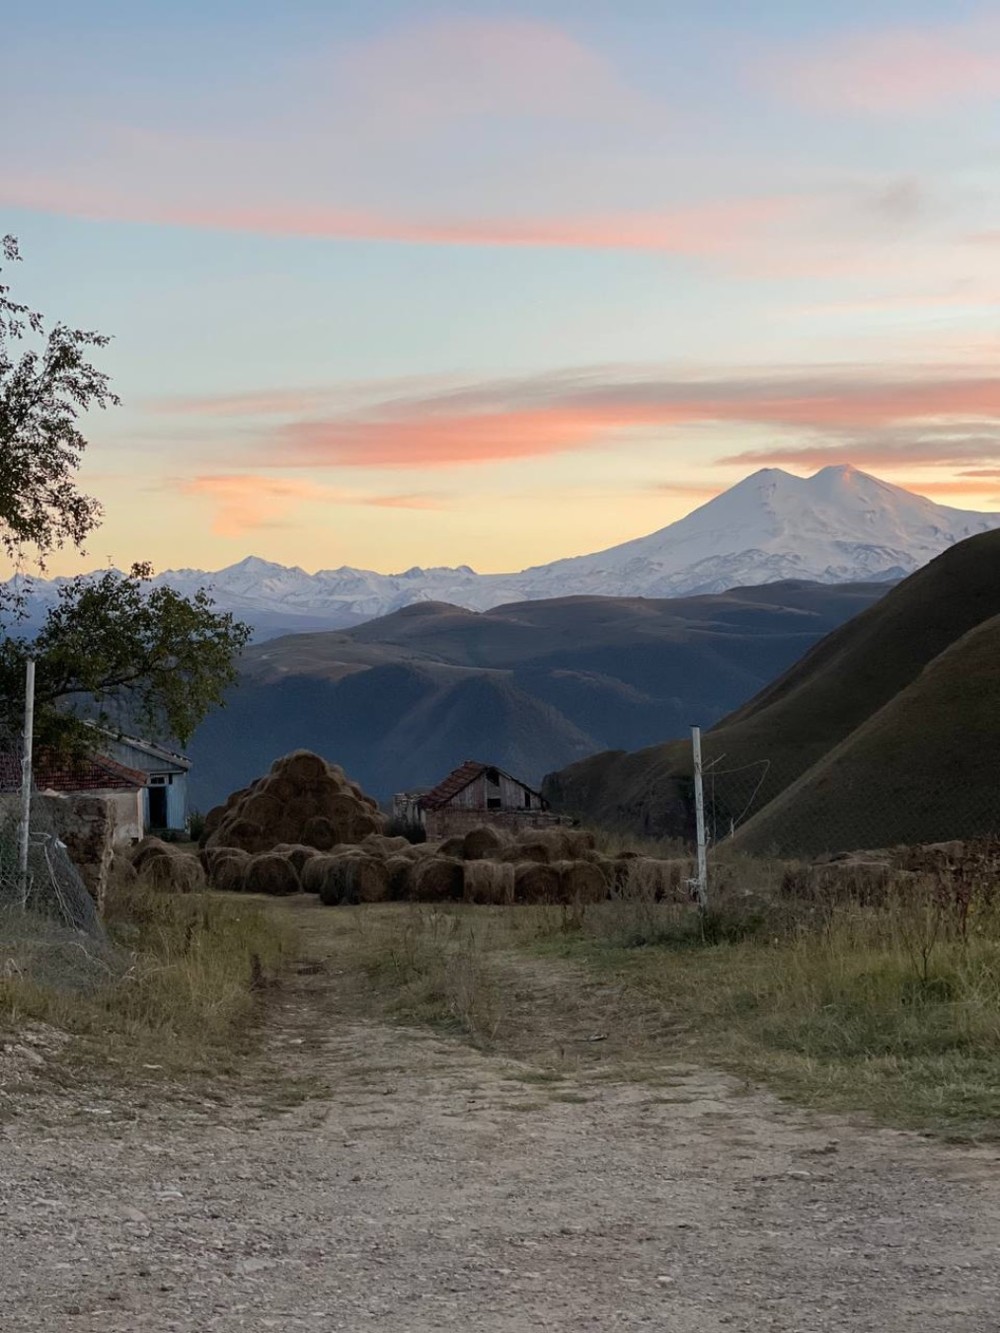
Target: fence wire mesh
{"points": [[52, 886]]}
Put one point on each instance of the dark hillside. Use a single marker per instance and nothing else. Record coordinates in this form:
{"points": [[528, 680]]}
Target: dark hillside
{"points": [[921, 769], [533, 686], [814, 705]]}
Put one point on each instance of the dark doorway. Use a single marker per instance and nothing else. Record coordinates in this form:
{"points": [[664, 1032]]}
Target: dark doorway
{"points": [[157, 807]]}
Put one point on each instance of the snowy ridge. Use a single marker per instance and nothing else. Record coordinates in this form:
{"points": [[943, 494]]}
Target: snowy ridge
{"points": [[838, 526]]}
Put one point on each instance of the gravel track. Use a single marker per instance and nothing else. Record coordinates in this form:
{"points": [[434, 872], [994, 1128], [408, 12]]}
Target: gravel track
{"points": [[432, 1187]]}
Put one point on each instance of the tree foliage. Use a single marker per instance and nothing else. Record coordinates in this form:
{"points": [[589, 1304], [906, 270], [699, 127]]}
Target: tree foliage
{"points": [[117, 651], [46, 383]]}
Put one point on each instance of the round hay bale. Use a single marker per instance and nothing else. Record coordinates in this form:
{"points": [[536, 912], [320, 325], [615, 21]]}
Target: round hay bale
{"points": [[576, 841], [320, 832], [301, 767], [296, 852], [380, 845], [313, 872], [212, 821], [270, 874], [453, 847], [437, 879], [149, 849], [212, 857], [580, 882], [180, 872], [535, 882], [489, 882], [261, 808], [482, 844], [607, 865], [225, 871], [400, 872], [538, 850], [237, 832], [351, 878]]}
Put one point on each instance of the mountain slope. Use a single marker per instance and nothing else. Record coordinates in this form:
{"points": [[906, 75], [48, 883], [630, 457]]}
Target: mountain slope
{"points": [[840, 525], [921, 769], [531, 686], [796, 721]]}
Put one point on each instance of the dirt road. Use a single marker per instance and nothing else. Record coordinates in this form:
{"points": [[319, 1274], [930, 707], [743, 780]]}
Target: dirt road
{"points": [[431, 1187]]}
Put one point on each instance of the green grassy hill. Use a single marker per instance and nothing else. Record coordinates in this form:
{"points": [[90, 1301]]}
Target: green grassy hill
{"points": [[924, 768], [796, 721]]}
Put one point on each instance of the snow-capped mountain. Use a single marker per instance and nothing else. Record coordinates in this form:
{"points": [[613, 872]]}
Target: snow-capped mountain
{"points": [[838, 526]]}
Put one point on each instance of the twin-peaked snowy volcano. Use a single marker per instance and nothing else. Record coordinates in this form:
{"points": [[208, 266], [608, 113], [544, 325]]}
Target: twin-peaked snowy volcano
{"points": [[838, 526]]}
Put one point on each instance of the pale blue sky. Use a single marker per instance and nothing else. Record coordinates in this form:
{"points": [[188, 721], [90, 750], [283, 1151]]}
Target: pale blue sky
{"points": [[384, 280]]}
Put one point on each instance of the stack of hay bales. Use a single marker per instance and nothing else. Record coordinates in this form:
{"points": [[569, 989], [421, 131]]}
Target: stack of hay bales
{"points": [[486, 865], [164, 866], [303, 801], [264, 838]]}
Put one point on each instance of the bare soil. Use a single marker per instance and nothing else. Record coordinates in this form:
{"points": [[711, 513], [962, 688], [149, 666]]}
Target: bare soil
{"points": [[362, 1175]]}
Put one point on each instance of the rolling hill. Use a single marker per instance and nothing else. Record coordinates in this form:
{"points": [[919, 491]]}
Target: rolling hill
{"points": [[532, 686], [885, 704]]}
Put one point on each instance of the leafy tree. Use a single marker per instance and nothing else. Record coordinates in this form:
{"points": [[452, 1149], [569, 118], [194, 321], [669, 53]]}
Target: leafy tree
{"points": [[44, 388], [119, 652], [113, 649]]}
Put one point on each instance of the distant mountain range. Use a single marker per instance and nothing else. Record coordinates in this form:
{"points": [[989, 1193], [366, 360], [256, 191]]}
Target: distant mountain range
{"points": [[886, 732], [838, 526], [402, 700]]}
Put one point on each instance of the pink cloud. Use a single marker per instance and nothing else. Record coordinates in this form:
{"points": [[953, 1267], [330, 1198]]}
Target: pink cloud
{"points": [[462, 67], [894, 70], [701, 230], [244, 501], [508, 421]]}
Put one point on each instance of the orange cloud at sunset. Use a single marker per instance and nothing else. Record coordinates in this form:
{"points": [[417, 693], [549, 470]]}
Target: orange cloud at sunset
{"points": [[534, 418], [245, 502]]}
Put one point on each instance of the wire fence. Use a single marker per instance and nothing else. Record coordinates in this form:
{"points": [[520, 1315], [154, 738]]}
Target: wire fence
{"points": [[48, 884]]}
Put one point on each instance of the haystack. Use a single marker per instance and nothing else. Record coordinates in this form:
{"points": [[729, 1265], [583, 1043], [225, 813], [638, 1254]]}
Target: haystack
{"points": [[400, 872], [535, 883], [489, 882], [164, 867], [296, 852], [580, 882], [483, 843], [271, 874], [227, 873], [149, 849], [303, 800], [378, 844], [350, 878], [437, 879]]}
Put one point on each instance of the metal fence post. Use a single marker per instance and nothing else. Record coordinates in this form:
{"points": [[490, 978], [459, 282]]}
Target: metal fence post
{"points": [[24, 828], [699, 809]]}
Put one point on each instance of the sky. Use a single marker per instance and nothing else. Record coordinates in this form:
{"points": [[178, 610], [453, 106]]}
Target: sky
{"points": [[402, 284]]}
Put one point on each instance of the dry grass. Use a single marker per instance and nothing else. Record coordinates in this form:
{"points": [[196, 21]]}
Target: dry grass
{"points": [[891, 1006], [178, 982]]}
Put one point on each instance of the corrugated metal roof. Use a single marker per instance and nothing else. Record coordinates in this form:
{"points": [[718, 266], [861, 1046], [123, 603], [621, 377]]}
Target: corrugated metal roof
{"points": [[459, 779]]}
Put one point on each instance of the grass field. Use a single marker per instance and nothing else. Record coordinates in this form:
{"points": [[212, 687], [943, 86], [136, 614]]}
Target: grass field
{"points": [[177, 983], [890, 1008]]}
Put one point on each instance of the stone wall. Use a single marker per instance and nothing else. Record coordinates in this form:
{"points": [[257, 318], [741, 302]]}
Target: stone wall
{"points": [[449, 822], [86, 824]]}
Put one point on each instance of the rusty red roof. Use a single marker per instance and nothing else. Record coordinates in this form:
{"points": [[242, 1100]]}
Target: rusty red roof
{"points": [[459, 779], [69, 774]]}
